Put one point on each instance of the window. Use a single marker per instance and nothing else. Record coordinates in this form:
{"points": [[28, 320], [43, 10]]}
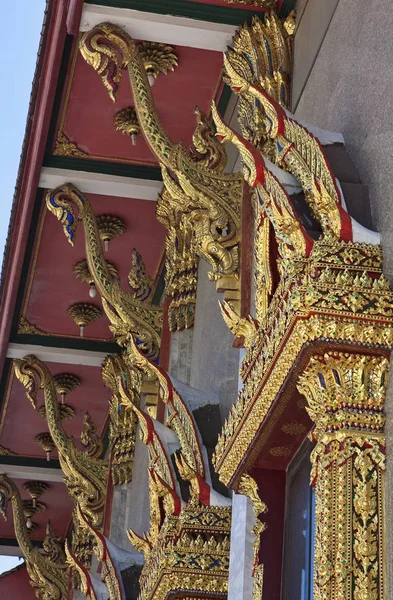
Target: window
{"points": [[299, 529]]}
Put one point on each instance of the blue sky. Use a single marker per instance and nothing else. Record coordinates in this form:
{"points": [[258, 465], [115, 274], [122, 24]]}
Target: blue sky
{"points": [[22, 22]]}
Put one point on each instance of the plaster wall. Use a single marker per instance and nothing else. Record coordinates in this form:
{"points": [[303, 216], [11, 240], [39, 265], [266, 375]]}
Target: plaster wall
{"points": [[350, 89], [214, 362], [130, 507]]}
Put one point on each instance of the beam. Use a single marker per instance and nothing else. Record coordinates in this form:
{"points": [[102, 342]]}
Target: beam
{"points": [[99, 183], [32, 473], [69, 356], [178, 31]]}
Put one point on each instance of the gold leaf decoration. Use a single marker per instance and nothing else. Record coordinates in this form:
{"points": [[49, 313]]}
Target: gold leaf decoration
{"points": [[280, 451], [64, 147], [293, 428], [25, 327], [83, 314], [157, 58], [66, 412]]}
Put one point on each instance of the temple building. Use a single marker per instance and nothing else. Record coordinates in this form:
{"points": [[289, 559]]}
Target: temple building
{"points": [[196, 307]]}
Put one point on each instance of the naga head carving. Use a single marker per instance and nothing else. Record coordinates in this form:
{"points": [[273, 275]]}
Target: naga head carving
{"points": [[33, 374], [108, 49], [60, 202], [252, 160], [53, 545], [238, 73]]}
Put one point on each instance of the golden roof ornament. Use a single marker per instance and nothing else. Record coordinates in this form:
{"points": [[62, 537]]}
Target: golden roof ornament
{"points": [[45, 441], [83, 314], [90, 438], [81, 270], [49, 579], [126, 121], [157, 58], [109, 227], [65, 383], [29, 510], [65, 410], [35, 489]]}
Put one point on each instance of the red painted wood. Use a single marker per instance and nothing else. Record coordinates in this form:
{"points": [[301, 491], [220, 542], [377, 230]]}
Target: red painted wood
{"points": [[15, 585], [272, 491], [74, 16], [27, 186]]}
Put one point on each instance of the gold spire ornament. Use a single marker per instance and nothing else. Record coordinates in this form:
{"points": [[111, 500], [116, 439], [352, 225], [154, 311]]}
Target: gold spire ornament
{"points": [[65, 383], [35, 489], [45, 441], [83, 314], [126, 121], [110, 227], [81, 271], [157, 58]]}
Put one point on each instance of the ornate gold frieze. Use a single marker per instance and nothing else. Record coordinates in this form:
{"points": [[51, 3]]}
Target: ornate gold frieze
{"points": [[337, 295], [345, 395], [191, 555]]}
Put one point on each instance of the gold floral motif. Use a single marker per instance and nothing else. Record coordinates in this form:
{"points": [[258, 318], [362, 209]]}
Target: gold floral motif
{"points": [[65, 383], [28, 328], [64, 147], [83, 314], [66, 412], [249, 487], [6, 451], [126, 122], [46, 442], [294, 428], [157, 58]]}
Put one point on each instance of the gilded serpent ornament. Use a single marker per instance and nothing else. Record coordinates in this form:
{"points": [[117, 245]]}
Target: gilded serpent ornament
{"points": [[49, 578], [134, 316], [85, 477], [205, 197]]}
